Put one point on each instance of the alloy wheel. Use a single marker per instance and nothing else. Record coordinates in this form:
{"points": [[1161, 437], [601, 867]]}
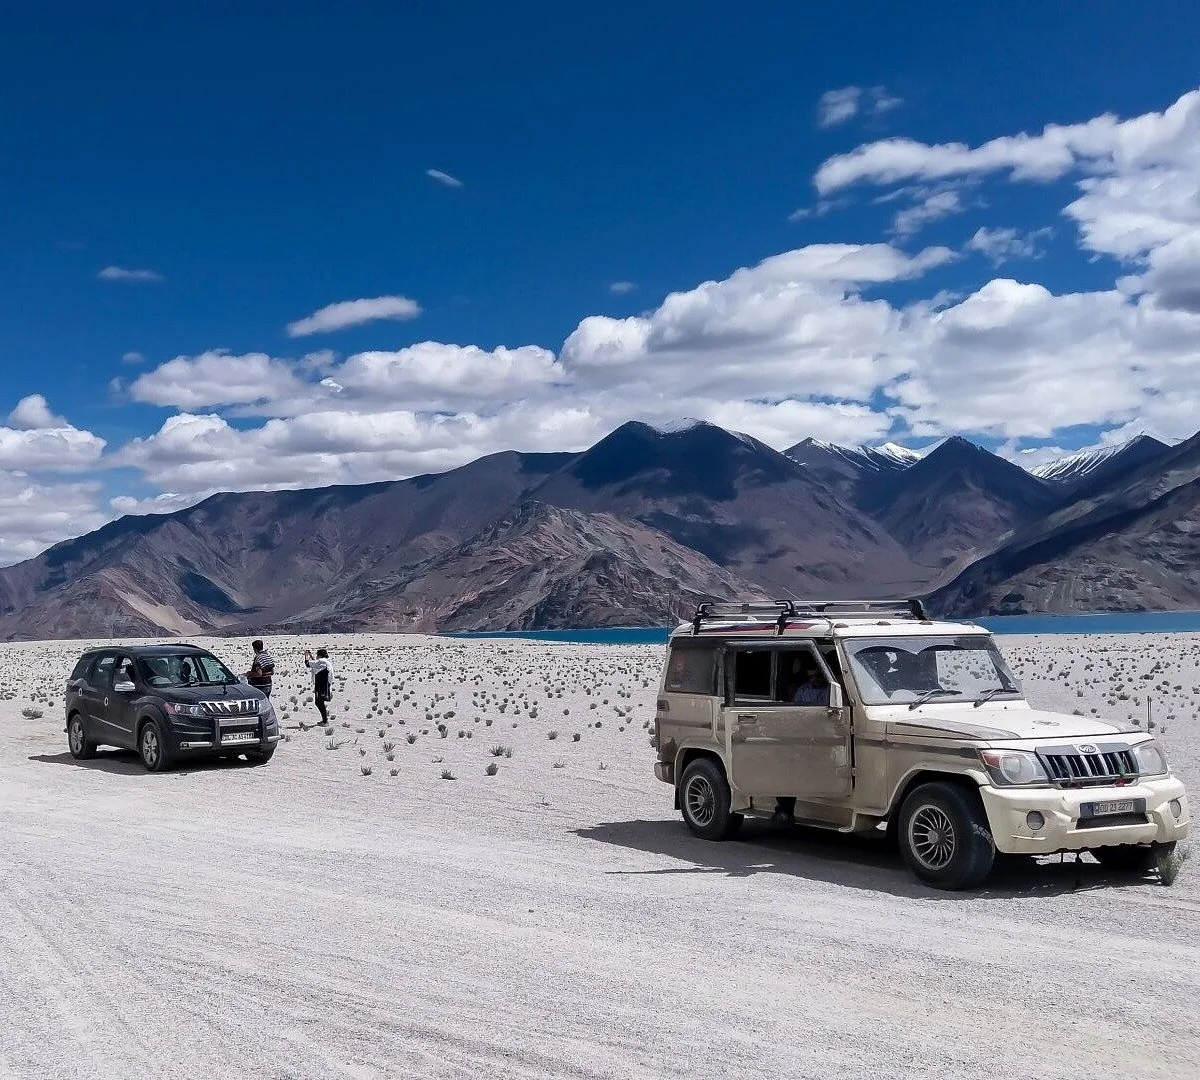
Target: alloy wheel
{"points": [[931, 837]]}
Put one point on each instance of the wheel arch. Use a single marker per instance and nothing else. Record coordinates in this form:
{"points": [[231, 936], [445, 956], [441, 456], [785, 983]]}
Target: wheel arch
{"points": [[919, 777], [687, 754]]}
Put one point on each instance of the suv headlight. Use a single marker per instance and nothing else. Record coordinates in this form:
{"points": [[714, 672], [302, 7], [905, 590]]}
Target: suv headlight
{"points": [[1011, 768], [176, 709], [1151, 760]]}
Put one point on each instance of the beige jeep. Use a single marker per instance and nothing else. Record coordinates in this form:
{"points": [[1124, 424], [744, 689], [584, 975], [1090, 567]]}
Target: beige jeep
{"points": [[856, 716]]}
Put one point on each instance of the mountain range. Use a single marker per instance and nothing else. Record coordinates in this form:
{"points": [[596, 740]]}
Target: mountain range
{"points": [[634, 531]]}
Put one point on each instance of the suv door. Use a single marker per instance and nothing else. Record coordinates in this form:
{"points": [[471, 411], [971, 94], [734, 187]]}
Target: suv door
{"points": [[95, 698], [687, 706], [122, 710], [776, 747]]}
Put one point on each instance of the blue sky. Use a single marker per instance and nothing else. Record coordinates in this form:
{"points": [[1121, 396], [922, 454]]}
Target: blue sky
{"points": [[177, 183]]}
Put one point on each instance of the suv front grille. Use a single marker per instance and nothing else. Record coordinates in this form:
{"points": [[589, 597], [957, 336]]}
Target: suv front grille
{"points": [[229, 707], [1069, 767]]}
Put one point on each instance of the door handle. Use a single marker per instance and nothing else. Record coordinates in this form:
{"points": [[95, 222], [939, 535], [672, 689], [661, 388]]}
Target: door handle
{"points": [[747, 718]]}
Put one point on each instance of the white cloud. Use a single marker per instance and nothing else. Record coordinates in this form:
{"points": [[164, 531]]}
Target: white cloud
{"points": [[133, 358], [621, 287], [217, 378], [1001, 244], [347, 313], [119, 273], [444, 178], [1102, 144], [837, 106], [34, 412], [931, 207], [35, 515]]}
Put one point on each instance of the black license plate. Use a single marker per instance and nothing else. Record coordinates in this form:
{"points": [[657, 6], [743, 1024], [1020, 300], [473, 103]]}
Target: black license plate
{"points": [[1111, 807]]}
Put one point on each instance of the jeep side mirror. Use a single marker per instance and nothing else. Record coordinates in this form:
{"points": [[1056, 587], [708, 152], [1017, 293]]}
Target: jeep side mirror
{"points": [[836, 698], [124, 687]]}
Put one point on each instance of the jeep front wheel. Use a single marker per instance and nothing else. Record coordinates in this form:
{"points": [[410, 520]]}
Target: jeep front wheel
{"points": [[704, 801], [944, 837]]}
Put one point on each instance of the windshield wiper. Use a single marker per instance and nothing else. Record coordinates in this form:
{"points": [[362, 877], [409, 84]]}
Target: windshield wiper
{"points": [[929, 694], [988, 694]]}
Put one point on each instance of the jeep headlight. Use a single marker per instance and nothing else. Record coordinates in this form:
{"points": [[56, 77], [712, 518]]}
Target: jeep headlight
{"points": [[1151, 760], [186, 710], [1012, 768]]}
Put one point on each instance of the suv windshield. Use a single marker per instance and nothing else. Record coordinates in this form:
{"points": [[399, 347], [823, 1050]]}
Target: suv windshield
{"points": [[903, 669], [184, 669]]}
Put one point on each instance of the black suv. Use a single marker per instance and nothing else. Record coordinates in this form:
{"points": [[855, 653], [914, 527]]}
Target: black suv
{"points": [[167, 702]]}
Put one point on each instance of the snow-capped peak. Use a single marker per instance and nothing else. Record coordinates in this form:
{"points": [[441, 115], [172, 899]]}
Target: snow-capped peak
{"points": [[677, 427]]}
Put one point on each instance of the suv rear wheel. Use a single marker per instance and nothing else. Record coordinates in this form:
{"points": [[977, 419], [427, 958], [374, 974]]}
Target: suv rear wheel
{"points": [[78, 743], [704, 801], [152, 748], [944, 837]]}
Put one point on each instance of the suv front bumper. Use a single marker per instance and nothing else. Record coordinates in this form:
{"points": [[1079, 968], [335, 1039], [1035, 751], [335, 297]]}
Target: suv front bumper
{"points": [[1067, 829]]}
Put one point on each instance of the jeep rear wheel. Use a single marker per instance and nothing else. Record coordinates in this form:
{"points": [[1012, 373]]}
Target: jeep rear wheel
{"points": [[78, 743], [704, 801], [944, 837]]}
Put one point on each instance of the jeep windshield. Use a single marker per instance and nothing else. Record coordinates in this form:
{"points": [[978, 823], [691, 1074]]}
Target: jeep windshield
{"points": [[912, 669], [184, 669]]}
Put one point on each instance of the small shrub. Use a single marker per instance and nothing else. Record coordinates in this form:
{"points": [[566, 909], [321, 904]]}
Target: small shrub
{"points": [[447, 774], [411, 739], [395, 772], [576, 737], [366, 769], [32, 714], [552, 735], [492, 769], [1169, 863]]}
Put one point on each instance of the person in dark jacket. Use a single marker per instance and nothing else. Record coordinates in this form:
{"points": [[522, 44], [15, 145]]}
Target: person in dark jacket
{"points": [[262, 668], [322, 680]]}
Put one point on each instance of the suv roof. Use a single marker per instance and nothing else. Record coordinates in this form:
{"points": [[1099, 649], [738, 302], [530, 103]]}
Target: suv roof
{"points": [[148, 650], [818, 618]]}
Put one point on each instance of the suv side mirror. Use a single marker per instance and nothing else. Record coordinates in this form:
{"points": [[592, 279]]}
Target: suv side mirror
{"points": [[124, 687], [836, 698]]}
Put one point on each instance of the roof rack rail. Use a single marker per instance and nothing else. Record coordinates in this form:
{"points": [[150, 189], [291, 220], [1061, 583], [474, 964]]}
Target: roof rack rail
{"points": [[782, 611]]}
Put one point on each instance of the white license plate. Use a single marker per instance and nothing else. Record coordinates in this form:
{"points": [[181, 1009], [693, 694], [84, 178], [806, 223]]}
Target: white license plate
{"points": [[1115, 806], [240, 736]]}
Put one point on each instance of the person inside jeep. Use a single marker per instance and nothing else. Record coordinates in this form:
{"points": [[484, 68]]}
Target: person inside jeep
{"points": [[807, 685]]}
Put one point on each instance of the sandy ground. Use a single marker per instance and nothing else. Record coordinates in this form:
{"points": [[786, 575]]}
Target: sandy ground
{"points": [[554, 920]]}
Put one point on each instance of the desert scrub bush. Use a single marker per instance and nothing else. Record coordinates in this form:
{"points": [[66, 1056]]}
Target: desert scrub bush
{"points": [[500, 751], [492, 769], [333, 744], [32, 714], [576, 737], [393, 772], [412, 738], [389, 746], [552, 735], [365, 769], [447, 774]]}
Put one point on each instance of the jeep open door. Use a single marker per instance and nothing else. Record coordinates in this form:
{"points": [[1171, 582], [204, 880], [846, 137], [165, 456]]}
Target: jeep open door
{"points": [[776, 747]]}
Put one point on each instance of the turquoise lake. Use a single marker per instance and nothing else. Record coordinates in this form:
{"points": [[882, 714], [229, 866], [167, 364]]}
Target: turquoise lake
{"points": [[1149, 622]]}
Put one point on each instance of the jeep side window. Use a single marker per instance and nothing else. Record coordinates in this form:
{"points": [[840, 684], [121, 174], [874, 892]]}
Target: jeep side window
{"points": [[692, 670], [799, 678], [101, 677], [125, 670], [752, 674]]}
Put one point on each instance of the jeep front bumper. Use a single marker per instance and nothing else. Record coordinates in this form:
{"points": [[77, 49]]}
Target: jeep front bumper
{"points": [[1067, 827]]}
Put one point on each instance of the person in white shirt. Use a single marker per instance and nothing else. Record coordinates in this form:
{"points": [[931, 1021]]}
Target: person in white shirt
{"points": [[322, 680]]}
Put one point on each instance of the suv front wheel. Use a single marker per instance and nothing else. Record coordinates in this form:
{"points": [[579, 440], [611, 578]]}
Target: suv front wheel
{"points": [[152, 748], [944, 837], [704, 801]]}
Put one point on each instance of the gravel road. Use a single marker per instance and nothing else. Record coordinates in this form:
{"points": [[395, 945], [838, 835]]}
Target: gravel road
{"points": [[304, 920]]}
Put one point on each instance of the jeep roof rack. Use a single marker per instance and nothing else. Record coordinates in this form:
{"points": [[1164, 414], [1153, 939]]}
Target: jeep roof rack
{"points": [[781, 612]]}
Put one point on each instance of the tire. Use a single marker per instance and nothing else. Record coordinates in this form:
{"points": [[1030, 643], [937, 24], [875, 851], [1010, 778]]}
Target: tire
{"points": [[82, 748], [944, 837], [1130, 858], [260, 757], [152, 748], [704, 801]]}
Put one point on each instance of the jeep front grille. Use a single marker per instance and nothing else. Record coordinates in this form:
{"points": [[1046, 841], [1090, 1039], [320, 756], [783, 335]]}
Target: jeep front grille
{"points": [[1067, 767]]}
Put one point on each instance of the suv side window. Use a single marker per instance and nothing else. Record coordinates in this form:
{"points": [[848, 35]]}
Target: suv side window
{"points": [[125, 672], [692, 670], [82, 666], [101, 676]]}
